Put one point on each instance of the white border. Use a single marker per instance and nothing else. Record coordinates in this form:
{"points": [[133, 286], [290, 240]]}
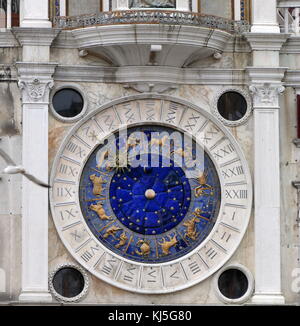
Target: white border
{"points": [[249, 277], [61, 298], [77, 88], [247, 98]]}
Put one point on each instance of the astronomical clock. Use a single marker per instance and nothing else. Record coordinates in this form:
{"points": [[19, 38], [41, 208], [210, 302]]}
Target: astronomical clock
{"points": [[150, 193]]}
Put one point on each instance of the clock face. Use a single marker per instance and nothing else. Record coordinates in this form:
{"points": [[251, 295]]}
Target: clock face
{"points": [[150, 194]]}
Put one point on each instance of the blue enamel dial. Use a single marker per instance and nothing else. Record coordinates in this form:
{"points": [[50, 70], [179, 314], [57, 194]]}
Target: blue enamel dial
{"points": [[149, 213]]}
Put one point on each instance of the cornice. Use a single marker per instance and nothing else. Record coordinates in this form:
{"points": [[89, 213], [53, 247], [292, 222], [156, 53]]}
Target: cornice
{"points": [[35, 36], [151, 74], [261, 75], [266, 41]]}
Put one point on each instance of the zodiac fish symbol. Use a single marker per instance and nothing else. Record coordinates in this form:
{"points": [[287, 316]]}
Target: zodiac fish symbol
{"points": [[159, 141], [97, 184], [202, 179], [111, 231], [100, 211], [122, 240], [144, 248], [191, 228], [167, 245]]}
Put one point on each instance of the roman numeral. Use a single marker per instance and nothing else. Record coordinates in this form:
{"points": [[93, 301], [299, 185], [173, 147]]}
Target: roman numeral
{"points": [[223, 152], [153, 277], [236, 194], [75, 149], [172, 110], [89, 254], [194, 267], [128, 114], [211, 253], [107, 268], [64, 192], [67, 170], [191, 122], [234, 172], [68, 212]]}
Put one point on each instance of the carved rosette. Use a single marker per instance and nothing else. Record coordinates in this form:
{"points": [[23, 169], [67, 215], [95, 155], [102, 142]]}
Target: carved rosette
{"points": [[35, 90], [266, 95]]}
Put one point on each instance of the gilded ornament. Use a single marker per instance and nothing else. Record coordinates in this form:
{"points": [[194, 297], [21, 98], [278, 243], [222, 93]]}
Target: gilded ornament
{"points": [[144, 248], [111, 231], [202, 180], [122, 240], [100, 211], [97, 184], [191, 231], [167, 245]]}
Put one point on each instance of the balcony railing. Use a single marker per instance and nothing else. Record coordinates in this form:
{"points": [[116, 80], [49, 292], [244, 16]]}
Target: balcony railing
{"points": [[289, 17], [152, 17]]}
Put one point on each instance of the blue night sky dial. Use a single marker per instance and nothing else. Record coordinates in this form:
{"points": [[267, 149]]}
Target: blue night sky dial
{"points": [[147, 213]]}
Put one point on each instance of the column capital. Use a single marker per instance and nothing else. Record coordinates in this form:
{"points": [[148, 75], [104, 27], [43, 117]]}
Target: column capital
{"points": [[266, 95], [35, 81]]}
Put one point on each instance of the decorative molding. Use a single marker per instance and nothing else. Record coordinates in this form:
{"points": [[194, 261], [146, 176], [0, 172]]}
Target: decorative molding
{"points": [[244, 298], [8, 39], [150, 88], [35, 81], [226, 122], [151, 74], [77, 88], [81, 295], [266, 41], [266, 95], [35, 90], [35, 36]]}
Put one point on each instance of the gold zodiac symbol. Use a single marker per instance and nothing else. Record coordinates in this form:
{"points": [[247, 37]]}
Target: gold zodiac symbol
{"points": [[100, 211], [122, 240], [144, 248], [181, 152], [198, 212], [111, 231], [191, 228], [202, 179], [166, 245], [97, 183]]}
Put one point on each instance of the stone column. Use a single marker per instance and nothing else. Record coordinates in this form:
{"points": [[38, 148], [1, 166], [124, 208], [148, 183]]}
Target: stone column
{"points": [[266, 88], [35, 14], [265, 79], [264, 16], [35, 82]]}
